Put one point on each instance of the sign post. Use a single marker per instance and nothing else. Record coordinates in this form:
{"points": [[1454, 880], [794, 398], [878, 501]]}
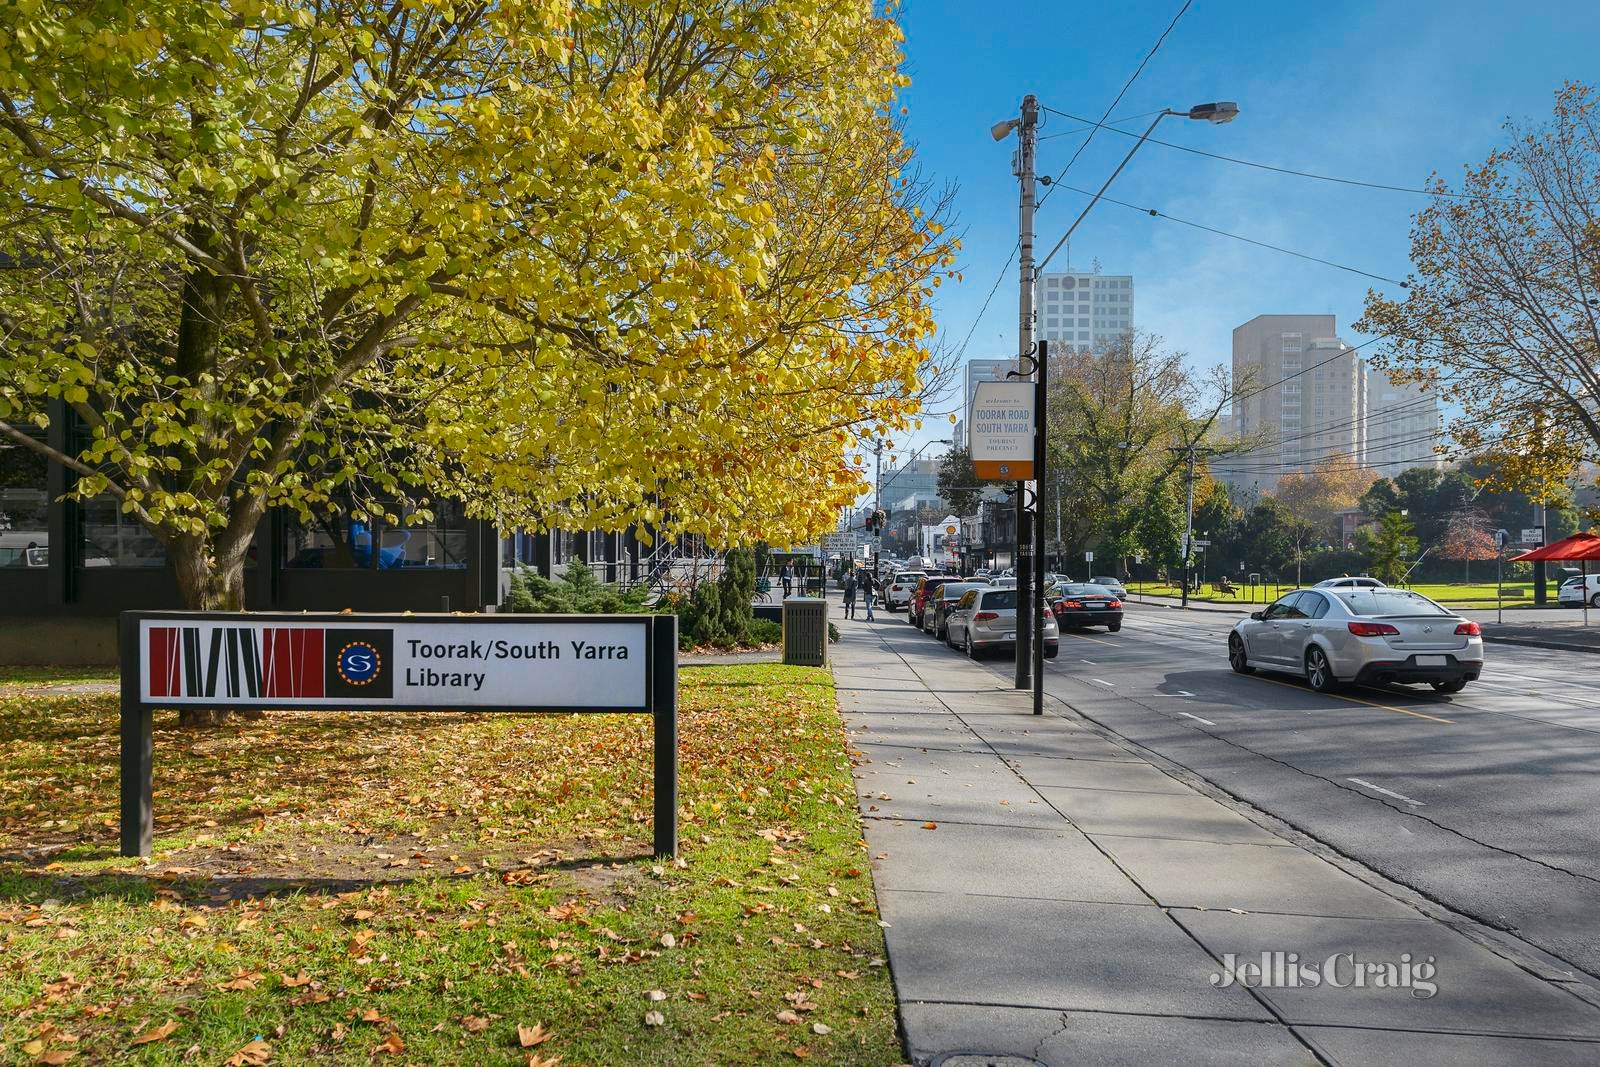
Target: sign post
{"points": [[311, 662]]}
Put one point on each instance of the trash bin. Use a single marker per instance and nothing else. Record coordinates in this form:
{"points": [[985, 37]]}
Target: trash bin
{"points": [[805, 631]]}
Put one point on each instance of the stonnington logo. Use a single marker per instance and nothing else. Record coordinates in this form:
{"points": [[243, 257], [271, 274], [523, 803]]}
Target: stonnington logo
{"points": [[359, 662], [1342, 970]]}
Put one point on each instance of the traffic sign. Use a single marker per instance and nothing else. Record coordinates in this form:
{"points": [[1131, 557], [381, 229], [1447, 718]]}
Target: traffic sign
{"points": [[1088, 557], [1532, 536]]}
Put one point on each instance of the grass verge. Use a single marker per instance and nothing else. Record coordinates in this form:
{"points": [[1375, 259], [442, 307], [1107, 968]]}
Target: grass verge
{"points": [[335, 888]]}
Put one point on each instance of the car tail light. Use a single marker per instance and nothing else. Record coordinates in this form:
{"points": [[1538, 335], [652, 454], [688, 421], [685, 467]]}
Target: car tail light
{"points": [[1371, 629], [1115, 604], [1072, 604], [985, 616], [1469, 629]]}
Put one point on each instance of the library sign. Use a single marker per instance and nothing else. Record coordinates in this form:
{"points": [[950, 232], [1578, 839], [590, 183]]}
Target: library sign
{"points": [[476, 663]]}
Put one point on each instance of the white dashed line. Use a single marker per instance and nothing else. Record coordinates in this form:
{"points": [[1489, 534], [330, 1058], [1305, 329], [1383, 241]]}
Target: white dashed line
{"points": [[1196, 718], [1386, 792], [1103, 682], [1184, 693]]}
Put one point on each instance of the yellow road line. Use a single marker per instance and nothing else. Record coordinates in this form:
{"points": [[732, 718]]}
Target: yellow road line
{"points": [[1358, 700]]}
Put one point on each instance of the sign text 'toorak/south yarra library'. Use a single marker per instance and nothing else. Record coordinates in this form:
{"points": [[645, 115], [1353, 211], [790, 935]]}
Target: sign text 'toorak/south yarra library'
{"points": [[406, 664]]}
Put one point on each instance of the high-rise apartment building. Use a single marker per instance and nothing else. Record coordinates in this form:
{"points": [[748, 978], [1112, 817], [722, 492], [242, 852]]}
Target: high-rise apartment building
{"points": [[1403, 425], [979, 370], [1304, 398], [1085, 311]]}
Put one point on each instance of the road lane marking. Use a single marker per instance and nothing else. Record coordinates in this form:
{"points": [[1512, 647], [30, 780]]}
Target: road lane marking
{"points": [[1358, 700], [1103, 682], [1090, 662], [1386, 792], [1184, 693], [1196, 718]]}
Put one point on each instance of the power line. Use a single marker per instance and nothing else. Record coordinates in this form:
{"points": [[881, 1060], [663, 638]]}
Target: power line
{"points": [[1152, 212], [1320, 177], [1125, 87]]}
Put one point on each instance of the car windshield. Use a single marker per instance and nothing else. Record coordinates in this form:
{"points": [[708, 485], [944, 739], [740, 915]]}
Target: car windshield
{"points": [[1000, 599], [1388, 602]]}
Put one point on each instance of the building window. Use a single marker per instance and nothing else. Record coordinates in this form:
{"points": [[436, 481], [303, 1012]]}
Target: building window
{"points": [[342, 542], [24, 507], [1083, 335], [108, 538]]}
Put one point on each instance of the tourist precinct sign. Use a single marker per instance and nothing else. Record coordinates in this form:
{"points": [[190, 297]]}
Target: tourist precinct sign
{"points": [[1001, 431], [476, 663]]}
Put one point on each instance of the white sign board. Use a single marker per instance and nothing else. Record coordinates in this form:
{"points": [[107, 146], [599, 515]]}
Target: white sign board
{"points": [[1532, 536], [1001, 426], [1088, 557], [554, 663]]}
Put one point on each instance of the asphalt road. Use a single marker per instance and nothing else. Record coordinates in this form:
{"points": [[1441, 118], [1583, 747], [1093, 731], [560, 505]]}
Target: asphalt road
{"points": [[1487, 801]]}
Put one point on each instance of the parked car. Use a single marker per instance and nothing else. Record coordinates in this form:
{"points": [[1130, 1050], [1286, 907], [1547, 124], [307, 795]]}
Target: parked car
{"points": [[1359, 582], [1087, 604], [985, 620], [1577, 589], [941, 601], [897, 591], [1362, 635], [1004, 581], [925, 587], [1115, 586]]}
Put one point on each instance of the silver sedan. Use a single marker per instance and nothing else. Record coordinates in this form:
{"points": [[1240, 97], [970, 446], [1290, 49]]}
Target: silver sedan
{"points": [[1366, 636]]}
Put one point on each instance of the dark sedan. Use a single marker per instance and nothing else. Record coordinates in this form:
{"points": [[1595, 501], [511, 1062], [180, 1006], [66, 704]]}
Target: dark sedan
{"points": [[1082, 605]]}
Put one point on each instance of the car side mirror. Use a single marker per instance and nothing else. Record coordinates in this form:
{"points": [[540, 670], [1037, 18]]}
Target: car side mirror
{"points": [[1258, 615]]}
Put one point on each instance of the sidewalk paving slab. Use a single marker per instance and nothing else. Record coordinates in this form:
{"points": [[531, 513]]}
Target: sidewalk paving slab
{"points": [[1056, 863], [1089, 773], [1190, 817], [1355, 1046], [1057, 954], [1074, 1038]]}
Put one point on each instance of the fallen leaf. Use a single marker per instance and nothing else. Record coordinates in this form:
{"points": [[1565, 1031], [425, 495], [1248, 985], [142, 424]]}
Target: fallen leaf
{"points": [[654, 1018], [54, 1057], [529, 1036], [821, 1029], [800, 1052], [371, 1015], [787, 1017], [536, 1060], [156, 1033], [668, 941], [391, 1045], [298, 980], [657, 994], [256, 1054], [930, 826], [474, 1024]]}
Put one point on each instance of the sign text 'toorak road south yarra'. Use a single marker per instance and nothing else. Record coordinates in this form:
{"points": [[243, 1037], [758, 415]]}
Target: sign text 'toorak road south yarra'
{"points": [[553, 663]]}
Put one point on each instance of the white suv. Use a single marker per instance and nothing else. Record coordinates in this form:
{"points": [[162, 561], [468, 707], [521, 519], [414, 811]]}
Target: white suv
{"points": [[1362, 582], [1577, 589], [897, 594]]}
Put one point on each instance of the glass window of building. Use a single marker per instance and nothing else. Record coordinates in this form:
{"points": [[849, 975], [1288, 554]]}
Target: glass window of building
{"points": [[108, 538], [24, 507], [344, 542]]}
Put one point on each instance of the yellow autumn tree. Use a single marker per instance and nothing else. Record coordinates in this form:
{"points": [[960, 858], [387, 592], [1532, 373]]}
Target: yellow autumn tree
{"points": [[539, 255]]}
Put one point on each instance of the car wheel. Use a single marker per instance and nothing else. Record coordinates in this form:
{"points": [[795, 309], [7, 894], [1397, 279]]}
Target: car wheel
{"points": [[1052, 651], [1238, 659], [1594, 601], [1113, 627], [972, 651], [1319, 672], [1455, 685]]}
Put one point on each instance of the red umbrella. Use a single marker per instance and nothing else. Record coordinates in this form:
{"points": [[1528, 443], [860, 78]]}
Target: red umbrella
{"points": [[1580, 546]]}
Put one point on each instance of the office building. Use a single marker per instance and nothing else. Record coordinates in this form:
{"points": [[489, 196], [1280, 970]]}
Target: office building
{"points": [[1082, 311], [1403, 425]]}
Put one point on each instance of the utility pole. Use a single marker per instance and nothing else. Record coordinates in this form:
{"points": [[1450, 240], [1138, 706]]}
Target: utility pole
{"points": [[1540, 575], [1027, 146], [1188, 528], [877, 505]]}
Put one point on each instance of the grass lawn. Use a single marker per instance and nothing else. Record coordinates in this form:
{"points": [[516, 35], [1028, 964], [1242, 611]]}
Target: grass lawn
{"points": [[1457, 593], [351, 888]]}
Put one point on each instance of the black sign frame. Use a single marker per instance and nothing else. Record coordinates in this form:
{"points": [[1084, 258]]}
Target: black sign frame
{"points": [[137, 748]]}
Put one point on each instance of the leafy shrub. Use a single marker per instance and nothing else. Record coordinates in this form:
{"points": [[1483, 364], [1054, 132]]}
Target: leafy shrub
{"points": [[765, 632], [576, 592]]}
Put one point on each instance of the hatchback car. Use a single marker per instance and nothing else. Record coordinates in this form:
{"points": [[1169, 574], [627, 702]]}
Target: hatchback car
{"points": [[943, 597], [985, 620], [1577, 589], [1087, 604], [919, 598], [897, 591], [1366, 636]]}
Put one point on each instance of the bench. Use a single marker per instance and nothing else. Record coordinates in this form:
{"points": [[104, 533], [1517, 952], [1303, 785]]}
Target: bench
{"points": [[1223, 589]]}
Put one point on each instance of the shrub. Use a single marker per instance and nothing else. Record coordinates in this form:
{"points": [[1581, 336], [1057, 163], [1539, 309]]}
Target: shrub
{"points": [[576, 592]]}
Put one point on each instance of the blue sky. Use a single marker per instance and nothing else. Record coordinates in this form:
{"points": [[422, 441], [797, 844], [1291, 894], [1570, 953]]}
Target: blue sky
{"points": [[1381, 90]]}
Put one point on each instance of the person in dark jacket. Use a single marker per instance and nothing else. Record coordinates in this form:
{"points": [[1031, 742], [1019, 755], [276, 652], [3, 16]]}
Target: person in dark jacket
{"points": [[850, 595], [787, 574], [869, 586]]}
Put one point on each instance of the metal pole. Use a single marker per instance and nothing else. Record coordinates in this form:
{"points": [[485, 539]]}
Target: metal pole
{"points": [[1540, 574], [1188, 529], [1037, 607], [138, 819], [664, 712], [1027, 143]]}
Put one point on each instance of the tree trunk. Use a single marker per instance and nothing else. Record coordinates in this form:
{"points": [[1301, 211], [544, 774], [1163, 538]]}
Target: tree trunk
{"points": [[208, 583]]}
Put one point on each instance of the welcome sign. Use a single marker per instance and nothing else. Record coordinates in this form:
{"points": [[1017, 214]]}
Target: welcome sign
{"points": [[554, 663]]}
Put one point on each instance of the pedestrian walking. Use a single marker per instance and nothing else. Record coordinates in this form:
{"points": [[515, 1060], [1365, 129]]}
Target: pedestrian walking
{"points": [[869, 586], [787, 574], [850, 595]]}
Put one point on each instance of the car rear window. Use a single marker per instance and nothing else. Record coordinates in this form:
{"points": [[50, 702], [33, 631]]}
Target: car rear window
{"points": [[1000, 599], [1084, 590], [1389, 602], [953, 590], [907, 576]]}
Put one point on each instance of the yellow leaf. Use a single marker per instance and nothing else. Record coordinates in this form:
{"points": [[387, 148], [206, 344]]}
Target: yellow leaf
{"points": [[156, 1033]]}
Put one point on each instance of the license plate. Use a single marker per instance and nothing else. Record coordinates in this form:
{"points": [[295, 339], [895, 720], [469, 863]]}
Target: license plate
{"points": [[1432, 661]]}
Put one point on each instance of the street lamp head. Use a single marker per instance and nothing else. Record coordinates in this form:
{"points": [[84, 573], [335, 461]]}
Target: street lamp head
{"points": [[1001, 130], [1219, 112]]}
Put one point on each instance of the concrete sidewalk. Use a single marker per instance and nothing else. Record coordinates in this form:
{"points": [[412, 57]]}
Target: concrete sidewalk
{"points": [[1053, 897]]}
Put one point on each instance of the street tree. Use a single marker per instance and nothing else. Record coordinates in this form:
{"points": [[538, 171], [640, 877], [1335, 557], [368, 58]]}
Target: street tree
{"points": [[1390, 546], [1466, 538], [546, 258], [1500, 315], [957, 481]]}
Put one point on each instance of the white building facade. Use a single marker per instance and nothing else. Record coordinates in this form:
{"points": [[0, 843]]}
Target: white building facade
{"points": [[1081, 310]]}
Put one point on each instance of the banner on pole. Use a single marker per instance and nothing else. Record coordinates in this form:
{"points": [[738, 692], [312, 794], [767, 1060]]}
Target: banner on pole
{"points": [[1001, 431]]}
